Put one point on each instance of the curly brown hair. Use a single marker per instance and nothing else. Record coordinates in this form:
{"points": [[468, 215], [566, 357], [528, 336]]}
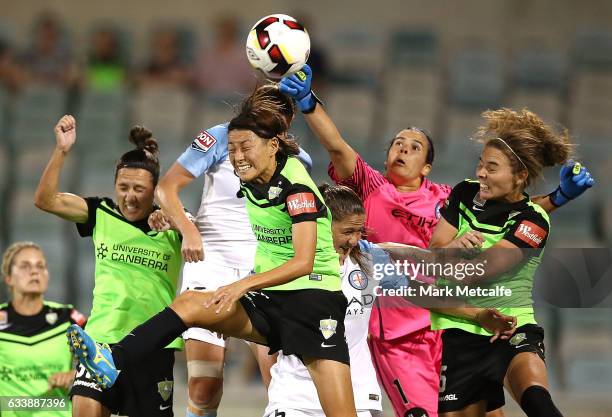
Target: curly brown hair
{"points": [[528, 137]]}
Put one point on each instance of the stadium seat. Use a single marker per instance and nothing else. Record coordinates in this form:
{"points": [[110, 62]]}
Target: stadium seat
{"points": [[477, 78], [592, 49], [37, 110], [414, 48], [540, 69], [163, 110]]}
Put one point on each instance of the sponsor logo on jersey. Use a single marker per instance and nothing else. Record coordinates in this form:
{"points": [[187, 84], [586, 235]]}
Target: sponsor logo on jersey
{"points": [[203, 142], [164, 389], [51, 317], [101, 251], [301, 203], [513, 214], [517, 339], [358, 280], [328, 327], [373, 397], [449, 397], [530, 233]]}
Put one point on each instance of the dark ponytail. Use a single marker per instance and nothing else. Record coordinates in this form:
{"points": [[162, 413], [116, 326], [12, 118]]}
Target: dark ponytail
{"points": [[343, 202], [268, 113], [145, 156]]}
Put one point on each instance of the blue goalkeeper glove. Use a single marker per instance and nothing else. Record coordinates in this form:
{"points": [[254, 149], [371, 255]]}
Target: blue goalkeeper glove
{"points": [[298, 86], [574, 180]]}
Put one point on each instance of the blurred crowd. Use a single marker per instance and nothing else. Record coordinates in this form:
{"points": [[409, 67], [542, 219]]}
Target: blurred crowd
{"points": [[173, 59]]}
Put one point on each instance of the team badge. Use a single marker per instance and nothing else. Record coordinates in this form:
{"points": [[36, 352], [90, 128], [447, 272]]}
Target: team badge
{"points": [[164, 389], [203, 142], [437, 211], [358, 280], [4, 320], [517, 339], [274, 192], [51, 317], [328, 327]]}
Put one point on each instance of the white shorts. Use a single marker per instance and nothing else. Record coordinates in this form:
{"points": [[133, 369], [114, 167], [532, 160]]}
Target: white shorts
{"points": [[208, 275], [293, 412]]}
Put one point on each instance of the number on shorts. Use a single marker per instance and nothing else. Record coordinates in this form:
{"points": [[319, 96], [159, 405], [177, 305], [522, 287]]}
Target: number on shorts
{"points": [[279, 413], [443, 378], [398, 385]]}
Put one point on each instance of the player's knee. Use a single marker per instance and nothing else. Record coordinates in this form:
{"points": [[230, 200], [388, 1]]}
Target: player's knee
{"points": [[205, 392], [536, 402], [185, 306], [416, 412]]}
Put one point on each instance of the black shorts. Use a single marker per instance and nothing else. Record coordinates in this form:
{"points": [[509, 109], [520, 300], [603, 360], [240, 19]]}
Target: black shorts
{"points": [[305, 323], [473, 369], [142, 390]]}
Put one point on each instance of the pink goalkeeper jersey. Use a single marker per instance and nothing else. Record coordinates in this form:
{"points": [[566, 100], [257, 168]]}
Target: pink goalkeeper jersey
{"points": [[394, 216]]}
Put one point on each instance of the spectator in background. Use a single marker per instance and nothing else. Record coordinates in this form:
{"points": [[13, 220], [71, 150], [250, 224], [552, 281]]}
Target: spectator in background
{"points": [[223, 68], [49, 60], [166, 66], [10, 75], [106, 68]]}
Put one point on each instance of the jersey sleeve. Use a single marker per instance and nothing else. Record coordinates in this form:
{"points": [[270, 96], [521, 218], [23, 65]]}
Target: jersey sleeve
{"points": [[86, 229], [207, 149], [303, 204], [450, 210], [530, 231], [364, 180]]}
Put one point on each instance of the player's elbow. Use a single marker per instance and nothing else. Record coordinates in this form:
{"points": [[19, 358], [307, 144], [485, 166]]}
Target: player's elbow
{"points": [[304, 266], [42, 201]]}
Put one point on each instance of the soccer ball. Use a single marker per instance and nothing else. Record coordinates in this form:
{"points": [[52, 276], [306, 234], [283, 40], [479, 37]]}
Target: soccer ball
{"points": [[278, 46]]}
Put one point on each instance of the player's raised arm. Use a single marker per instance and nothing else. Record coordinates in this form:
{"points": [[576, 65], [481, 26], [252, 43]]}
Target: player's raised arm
{"points": [[167, 194], [47, 197], [342, 156]]}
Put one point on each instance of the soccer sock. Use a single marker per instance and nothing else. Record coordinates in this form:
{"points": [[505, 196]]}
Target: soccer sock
{"points": [[536, 402], [152, 335]]}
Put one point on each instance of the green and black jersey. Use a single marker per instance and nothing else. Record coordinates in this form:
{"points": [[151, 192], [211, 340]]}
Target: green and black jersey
{"points": [[136, 271], [291, 197], [32, 348], [524, 224]]}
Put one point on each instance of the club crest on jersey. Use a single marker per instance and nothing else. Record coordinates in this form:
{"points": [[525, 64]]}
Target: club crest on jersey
{"points": [[437, 210], [517, 339], [4, 320], [328, 327], [274, 192], [358, 280], [530, 233], [51, 317], [203, 142], [164, 389]]}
